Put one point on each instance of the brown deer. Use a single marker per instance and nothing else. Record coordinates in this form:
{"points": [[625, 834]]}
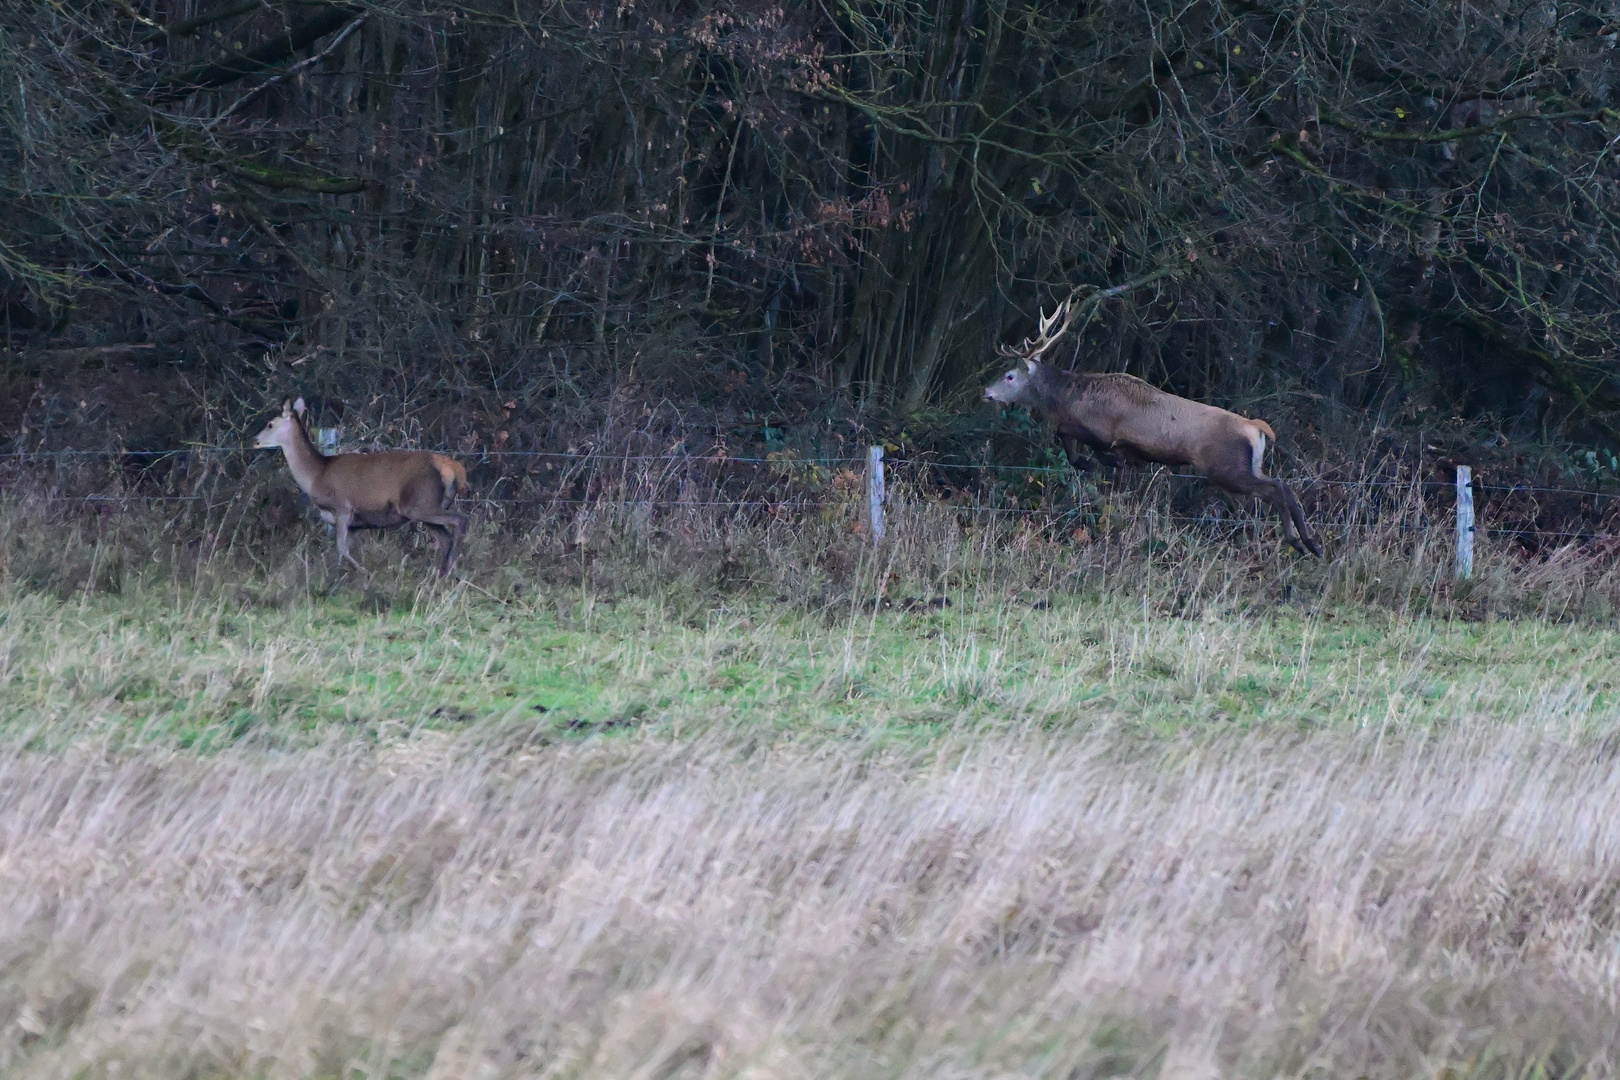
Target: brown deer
{"points": [[372, 491], [1120, 417]]}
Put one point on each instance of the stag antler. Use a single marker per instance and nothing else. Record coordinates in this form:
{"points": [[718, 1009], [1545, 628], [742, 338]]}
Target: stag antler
{"points": [[1053, 327]]}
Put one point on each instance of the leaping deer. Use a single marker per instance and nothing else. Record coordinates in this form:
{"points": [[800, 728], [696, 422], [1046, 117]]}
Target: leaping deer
{"points": [[372, 491], [1119, 416]]}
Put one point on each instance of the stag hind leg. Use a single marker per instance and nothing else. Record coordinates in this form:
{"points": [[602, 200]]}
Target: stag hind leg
{"points": [[1246, 483], [1298, 513]]}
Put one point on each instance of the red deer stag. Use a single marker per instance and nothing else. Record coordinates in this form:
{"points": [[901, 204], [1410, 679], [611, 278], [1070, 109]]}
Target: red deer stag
{"points": [[372, 491], [1121, 417]]}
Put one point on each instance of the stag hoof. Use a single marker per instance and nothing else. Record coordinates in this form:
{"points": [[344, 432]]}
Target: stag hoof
{"points": [[1305, 546]]}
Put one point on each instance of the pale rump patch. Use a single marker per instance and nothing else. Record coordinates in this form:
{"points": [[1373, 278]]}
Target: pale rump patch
{"points": [[452, 474], [1257, 445]]}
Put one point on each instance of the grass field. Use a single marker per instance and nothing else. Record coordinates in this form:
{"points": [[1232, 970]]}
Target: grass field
{"points": [[202, 673], [976, 811]]}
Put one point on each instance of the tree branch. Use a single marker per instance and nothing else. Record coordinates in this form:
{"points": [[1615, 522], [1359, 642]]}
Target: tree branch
{"points": [[205, 152], [259, 58], [331, 47], [187, 27], [1331, 117]]}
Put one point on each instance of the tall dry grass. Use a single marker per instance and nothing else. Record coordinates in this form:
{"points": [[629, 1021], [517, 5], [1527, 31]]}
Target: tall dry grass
{"points": [[1375, 903], [795, 530]]}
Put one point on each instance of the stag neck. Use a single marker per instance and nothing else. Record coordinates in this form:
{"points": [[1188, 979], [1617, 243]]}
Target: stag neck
{"points": [[306, 462]]}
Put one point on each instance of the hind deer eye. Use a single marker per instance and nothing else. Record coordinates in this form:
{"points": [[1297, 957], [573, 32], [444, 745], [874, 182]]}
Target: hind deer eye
{"points": [[1009, 376]]}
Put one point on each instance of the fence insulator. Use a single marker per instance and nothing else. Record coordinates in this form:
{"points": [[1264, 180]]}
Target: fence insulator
{"points": [[874, 492], [1465, 523]]}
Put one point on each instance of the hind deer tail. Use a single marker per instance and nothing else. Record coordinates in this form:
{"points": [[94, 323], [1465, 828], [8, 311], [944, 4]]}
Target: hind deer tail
{"points": [[451, 474]]}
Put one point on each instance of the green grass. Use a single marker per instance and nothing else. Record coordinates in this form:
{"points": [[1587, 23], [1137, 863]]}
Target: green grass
{"points": [[164, 665]]}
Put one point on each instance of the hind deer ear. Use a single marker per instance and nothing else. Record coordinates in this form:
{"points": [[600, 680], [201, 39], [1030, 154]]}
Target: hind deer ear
{"points": [[1032, 365], [286, 408], [298, 406]]}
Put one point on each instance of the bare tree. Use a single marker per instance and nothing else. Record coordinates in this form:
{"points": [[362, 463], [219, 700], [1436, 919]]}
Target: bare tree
{"points": [[1365, 196]]}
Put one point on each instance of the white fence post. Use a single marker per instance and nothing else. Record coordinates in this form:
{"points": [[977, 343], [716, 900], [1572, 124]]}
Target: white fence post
{"points": [[326, 440], [1465, 523], [874, 492]]}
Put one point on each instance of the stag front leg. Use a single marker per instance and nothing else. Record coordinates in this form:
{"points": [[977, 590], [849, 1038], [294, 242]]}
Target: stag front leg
{"points": [[1116, 463], [1085, 454], [1073, 449]]}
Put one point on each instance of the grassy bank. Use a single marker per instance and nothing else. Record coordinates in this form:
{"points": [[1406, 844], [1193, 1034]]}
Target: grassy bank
{"points": [[177, 669]]}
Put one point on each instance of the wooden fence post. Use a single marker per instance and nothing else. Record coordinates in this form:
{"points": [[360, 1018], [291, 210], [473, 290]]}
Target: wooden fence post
{"points": [[874, 492], [1465, 523], [326, 440]]}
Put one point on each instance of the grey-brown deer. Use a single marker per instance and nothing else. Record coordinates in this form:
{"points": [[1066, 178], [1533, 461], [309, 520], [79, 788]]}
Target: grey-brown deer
{"points": [[372, 491], [1119, 417]]}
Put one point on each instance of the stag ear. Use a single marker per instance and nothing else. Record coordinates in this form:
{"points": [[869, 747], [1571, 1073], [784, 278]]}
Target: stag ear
{"points": [[298, 406], [1032, 365]]}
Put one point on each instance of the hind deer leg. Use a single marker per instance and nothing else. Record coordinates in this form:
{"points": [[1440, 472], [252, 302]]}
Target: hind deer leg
{"points": [[1289, 514], [441, 538], [451, 527], [341, 523], [1295, 529], [1280, 498]]}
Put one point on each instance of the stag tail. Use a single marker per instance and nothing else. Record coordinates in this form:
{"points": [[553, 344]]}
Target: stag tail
{"points": [[451, 474]]}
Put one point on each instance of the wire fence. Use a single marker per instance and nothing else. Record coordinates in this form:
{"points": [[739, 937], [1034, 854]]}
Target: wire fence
{"points": [[578, 467], [723, 458], [714, 458]]}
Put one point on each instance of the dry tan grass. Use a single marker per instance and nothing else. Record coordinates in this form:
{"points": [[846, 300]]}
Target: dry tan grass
{"points": [[1373, 902], [697, 531], [641, 530]]}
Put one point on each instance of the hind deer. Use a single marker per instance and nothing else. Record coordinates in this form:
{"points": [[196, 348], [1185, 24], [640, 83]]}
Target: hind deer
{"points": [[372, 491]]}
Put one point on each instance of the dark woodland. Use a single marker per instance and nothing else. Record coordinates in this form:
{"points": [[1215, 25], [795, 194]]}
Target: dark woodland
{"points": [[515, 224]]}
